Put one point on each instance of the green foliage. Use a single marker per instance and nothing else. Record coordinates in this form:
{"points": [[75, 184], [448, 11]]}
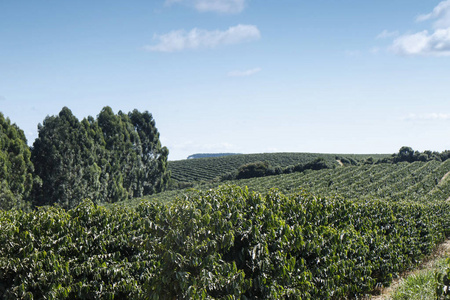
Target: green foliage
{"points": [[417, 181], [418, 286], [407, 154], [442, 286], [317, 164], [108, 159], [257, 169], [86, 253], [220, 244], [208, 169], [16, 169], [261, 169]]}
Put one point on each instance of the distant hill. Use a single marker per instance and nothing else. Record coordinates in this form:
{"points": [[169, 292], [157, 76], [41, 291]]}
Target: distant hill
{"points": [[208, 168], [204, 155], [418, 181]]}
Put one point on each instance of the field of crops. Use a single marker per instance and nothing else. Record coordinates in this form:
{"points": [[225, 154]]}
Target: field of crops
{"points": [[204, 169], [222, 244], [412, 181], [417, 181], [327, 234]]}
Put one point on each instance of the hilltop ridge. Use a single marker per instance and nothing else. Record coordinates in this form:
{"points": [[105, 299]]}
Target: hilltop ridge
{"points": [[205, 155]]}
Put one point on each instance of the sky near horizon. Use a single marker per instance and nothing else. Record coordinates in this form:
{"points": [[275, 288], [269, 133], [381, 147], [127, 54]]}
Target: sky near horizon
{"points": [[246, 76]]}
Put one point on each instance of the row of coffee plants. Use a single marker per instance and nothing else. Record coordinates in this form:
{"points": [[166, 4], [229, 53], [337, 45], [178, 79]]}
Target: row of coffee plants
{"points": [[220, 244], [386, 184], [421, 181], [214, 168], [206, 169]]}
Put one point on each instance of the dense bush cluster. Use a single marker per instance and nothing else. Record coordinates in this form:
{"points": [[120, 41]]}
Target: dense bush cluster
{"points": [[407, 154], [214, 245], [263, 168]]}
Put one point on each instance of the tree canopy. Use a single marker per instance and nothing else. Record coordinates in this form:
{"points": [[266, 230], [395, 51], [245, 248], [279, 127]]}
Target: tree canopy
{"points": [[16, 169], [106, 159]]}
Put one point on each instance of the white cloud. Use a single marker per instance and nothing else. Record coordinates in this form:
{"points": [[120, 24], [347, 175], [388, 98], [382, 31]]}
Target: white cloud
{"points": [[179, 40], [427, 117], [423, 43], [220, 6], [387, 34], [441, 13], [238, 73]]}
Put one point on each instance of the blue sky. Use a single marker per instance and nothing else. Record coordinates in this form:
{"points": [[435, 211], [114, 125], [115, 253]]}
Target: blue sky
{"points": [[241, 76]]}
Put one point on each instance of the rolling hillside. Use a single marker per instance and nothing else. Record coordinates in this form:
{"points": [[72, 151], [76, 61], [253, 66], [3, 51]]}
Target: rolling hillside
{"points": [[417, 181], [328, 234], [205, 169], [333, 233]]}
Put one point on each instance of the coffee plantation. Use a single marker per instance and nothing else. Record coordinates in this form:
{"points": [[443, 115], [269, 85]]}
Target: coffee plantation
{"points": [[74, 224], [223, 243]]}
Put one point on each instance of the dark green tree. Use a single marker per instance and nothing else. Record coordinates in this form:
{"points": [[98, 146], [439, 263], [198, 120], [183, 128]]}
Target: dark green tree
{"points": [[404, 154], [107, 159], [155, 175], [62, 156], [16, 169], [250, 170]]}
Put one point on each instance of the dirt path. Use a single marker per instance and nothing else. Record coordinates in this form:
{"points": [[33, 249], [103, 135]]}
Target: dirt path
{"points": [[442, 250], [341, 164], [443, 178], [441, 181]]}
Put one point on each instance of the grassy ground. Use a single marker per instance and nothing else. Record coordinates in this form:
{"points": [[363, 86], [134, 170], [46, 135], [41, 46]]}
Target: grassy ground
{"points": [[419, 283]]}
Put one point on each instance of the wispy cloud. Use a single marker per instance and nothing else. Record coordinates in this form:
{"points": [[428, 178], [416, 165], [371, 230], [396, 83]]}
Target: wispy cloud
{"points": [[238, 73], [180, 40], [423, 43], [220, 6], [387, 34], [441, 13], [427, 117]]}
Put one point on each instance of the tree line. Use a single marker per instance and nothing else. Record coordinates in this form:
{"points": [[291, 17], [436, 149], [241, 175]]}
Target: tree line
{"points": [[108, 158]]}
